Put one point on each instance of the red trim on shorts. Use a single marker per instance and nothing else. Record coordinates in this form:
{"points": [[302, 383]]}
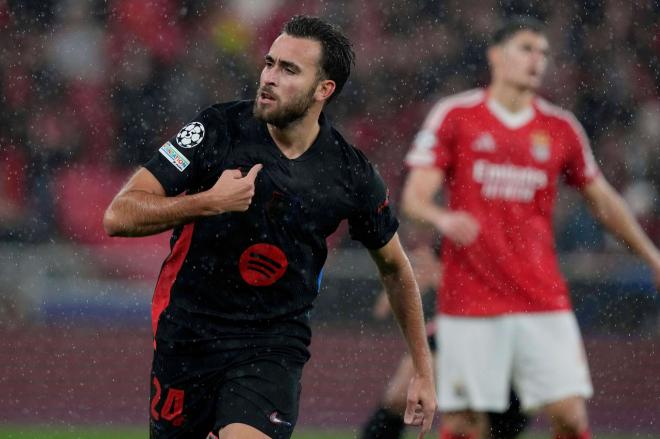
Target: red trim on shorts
{"points": [[168, 275]]}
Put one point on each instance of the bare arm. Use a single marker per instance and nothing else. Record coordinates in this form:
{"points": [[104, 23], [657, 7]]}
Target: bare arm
{"points": [[418, 203], [142, 208], [611, 210], [427, 270], [399, 281]]}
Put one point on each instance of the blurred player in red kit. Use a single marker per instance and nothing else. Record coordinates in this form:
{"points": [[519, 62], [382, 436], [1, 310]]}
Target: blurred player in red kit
{"points": [[386, 421], [505, 317]]}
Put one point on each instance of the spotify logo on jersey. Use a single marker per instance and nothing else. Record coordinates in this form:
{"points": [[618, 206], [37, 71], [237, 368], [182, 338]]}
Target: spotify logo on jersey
{"points": [[262, 265]]}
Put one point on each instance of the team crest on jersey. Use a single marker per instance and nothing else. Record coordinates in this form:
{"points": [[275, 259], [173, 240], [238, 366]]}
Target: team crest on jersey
{"points": [[540, 146], [191, 135], [484, 143]]}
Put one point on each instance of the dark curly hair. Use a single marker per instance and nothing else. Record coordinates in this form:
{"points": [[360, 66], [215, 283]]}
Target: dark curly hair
{"points": [[514, 25], [337, 56]]}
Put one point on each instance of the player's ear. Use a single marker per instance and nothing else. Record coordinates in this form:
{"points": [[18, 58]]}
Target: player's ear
{"points": [[325, 89], [494, 55]]}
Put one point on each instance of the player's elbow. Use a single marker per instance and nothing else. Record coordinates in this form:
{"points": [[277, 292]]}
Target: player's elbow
{"points": [[408, 206], [111, 223]]}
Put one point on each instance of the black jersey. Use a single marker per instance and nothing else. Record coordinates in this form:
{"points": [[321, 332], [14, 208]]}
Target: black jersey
{"points": [[265, 264]]}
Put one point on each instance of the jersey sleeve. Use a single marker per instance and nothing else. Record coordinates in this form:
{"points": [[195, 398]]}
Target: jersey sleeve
{"points": [[373, 222], [580, 167], [433, 144], [177, 162]]}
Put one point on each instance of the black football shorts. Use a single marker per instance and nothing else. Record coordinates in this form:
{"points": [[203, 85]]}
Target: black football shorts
{"points": [[195, 395]]}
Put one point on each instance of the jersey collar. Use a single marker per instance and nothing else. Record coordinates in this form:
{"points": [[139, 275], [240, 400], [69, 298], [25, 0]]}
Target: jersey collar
{"points": [[510, 119], [316, 146]]}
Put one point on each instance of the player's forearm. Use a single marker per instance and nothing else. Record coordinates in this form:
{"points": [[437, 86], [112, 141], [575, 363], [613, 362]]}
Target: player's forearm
{"points": [[406, 304], [423, 212], [613, 212], [139, 213]]}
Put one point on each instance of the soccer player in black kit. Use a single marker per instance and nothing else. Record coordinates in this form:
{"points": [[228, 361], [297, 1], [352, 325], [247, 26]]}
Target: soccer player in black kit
{"points": [[252, 189]]}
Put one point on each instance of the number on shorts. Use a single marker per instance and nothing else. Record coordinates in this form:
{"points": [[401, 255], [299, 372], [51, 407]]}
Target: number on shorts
{"points": [[155, 399], [172, 407]]}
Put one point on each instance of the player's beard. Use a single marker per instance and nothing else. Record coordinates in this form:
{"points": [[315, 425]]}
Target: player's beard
{"points": [[288, 113]]}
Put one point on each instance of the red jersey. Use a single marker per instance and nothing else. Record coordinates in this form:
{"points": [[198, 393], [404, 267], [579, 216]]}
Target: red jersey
{"points": [[503, 168]]}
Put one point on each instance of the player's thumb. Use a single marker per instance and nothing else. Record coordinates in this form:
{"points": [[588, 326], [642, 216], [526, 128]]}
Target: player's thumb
{"points": [[409, 413], [252, 173], [231, 173]]}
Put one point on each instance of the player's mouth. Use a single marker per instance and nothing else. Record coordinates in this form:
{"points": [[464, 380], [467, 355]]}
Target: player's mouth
{"points": [[264, 96]]}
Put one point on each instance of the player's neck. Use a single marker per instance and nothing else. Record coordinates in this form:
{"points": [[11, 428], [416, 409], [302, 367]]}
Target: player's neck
{"points": [[296, 138], [513, 99]]}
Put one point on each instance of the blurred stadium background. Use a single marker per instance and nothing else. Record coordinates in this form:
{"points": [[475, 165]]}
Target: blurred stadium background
{"points": [[91, 88]]}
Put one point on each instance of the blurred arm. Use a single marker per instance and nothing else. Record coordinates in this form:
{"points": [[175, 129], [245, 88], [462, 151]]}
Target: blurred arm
{"points": [[612, 211], [418, 204], [399, 281]]}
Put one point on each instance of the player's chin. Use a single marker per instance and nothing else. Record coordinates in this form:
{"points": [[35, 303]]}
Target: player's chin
{"points": [[534, 83], [264, 112], [259, 107]]}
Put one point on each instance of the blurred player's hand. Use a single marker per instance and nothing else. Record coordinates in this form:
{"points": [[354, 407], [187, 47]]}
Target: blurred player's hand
{"points": [[420, 404], [427, 270], [232, 192], [460, 227]]}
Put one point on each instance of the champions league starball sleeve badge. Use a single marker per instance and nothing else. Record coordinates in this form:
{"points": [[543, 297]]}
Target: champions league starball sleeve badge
{"points": [[191, 135]]}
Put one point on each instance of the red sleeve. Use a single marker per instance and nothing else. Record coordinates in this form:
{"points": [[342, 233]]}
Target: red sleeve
{"points": [[434, 143], [580, 167]]}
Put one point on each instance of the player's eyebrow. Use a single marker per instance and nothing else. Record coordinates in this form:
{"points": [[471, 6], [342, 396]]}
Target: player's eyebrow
{"points": [[285, 64]]}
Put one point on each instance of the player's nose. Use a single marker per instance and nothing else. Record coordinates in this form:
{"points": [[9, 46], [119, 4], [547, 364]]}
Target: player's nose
{"points": [[269, 78]]}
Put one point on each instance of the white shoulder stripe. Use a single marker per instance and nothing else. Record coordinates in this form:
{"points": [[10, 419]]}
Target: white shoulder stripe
{"points": [[440, 110], [422, 152], [591, 168], [418, 158]]}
